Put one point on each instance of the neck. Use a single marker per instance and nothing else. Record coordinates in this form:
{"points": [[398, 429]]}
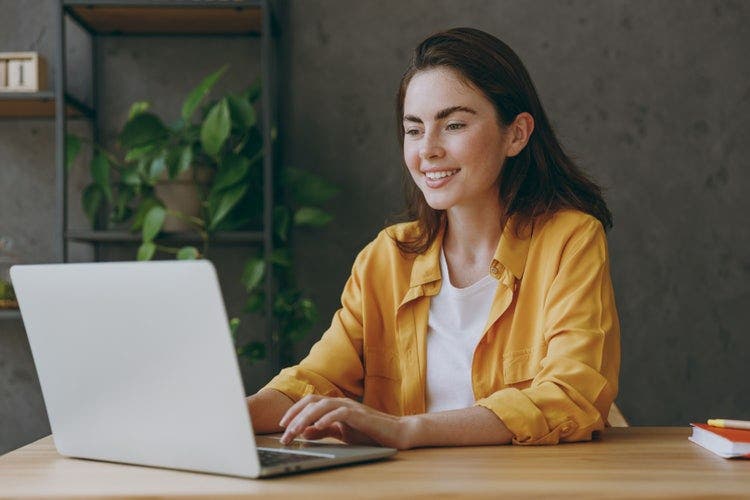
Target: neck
{"points": [[473, 232]]}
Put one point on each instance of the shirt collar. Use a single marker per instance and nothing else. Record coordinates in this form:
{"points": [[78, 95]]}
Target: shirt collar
{"points": [[511, 253]]}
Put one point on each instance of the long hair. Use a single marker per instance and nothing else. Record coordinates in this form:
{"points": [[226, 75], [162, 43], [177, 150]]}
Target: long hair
{"points": [[539, 180]]}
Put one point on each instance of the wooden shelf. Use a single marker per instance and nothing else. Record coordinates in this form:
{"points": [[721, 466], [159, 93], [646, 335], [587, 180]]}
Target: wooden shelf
{"points": [[216, 17], [226, 238], [38, 105]]}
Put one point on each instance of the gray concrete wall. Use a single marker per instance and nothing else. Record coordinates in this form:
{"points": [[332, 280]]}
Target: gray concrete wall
{"points": [[653, 98]]}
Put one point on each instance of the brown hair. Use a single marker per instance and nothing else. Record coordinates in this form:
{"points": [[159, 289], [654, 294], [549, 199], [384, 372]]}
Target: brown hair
{"points": [[539, 180]]}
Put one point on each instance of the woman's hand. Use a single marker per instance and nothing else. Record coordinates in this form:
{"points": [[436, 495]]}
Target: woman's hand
{"points": [[316, 417]]}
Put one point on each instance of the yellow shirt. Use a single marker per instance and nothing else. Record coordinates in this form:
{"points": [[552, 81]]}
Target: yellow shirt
{"points": [[547, 364]]}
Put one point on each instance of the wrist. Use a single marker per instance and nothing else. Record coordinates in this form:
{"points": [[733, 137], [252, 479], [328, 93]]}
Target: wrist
{"points": [[411, 430]]}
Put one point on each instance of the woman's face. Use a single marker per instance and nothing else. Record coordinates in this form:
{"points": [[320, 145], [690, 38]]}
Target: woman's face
{"points": [[454, 146]]}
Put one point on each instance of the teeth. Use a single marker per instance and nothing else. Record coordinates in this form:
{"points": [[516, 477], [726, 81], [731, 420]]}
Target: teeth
{"points": [[440, 175]]}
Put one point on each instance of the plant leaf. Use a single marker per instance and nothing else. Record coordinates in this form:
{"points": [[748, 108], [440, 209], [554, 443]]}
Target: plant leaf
{"points": [[130, 177], [153, 222], [177, 125], [253, 273], [308, 310], [224, 202], [182, 161], [253, 351], [157, 167], [100, 174], [140, 152], [146, 251], [232, 170], [281, 220], [91, 199], [198, 93], [234, 324], [216, 128], [121, 210], [142, 129], [137, 108], [187, 253], [307, 188], [143, 209], [72, 147], [252, 93], [281, 257], [255, 302], [311, 216], [241, 111]]}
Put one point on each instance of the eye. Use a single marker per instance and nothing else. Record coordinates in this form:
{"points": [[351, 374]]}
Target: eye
{"points": [[455, 126], [412, 131]]}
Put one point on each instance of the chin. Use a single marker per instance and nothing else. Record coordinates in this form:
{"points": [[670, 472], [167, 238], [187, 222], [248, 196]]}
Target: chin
{"points": [[439, 204]]}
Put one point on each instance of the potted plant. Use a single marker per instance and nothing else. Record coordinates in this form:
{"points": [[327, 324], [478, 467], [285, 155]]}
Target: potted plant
{"points": [[216, 149]]}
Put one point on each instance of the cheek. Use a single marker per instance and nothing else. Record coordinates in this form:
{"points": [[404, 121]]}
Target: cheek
{"points": [[485, 152], [411, 158]]}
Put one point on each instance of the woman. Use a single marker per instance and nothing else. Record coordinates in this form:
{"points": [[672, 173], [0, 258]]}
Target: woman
{"points": [[489, 319]]}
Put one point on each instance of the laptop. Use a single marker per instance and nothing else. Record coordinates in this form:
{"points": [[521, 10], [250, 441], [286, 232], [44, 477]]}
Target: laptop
{"points": [[137, 365]]}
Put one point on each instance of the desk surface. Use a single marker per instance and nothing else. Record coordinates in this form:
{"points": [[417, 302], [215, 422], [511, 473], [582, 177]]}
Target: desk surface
{"points": [[630, 462]]}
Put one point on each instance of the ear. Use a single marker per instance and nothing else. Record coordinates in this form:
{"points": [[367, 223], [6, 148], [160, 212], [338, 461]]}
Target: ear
{"points": [[520, 133]]}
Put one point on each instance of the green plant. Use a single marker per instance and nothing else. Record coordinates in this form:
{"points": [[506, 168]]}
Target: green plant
{"points": [[221, 153], [6, 291], [225, 146], [299, 195]]}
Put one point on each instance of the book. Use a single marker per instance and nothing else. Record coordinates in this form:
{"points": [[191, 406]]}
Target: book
{"points": [[727, 443]]}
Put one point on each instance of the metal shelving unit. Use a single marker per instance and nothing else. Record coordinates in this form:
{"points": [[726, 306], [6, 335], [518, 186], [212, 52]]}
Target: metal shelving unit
{"points": [[199, 18], [223, 238], [10, 314]]}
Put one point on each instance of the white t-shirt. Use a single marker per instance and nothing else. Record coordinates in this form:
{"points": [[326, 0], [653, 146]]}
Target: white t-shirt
{"points": [[454, 328]]}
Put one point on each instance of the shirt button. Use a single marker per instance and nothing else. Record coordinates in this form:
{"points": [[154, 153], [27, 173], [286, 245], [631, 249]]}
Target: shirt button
{"points": [[565, 429], [494, 271]]}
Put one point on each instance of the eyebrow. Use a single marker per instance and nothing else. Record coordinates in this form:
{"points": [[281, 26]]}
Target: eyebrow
{"points": [[443, 113]]}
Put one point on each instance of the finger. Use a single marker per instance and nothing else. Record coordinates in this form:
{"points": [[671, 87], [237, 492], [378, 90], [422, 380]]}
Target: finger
{"points": [[355, 427], [296, 408], [308, 416], [314, 433], [311, 413], [341, 414]]}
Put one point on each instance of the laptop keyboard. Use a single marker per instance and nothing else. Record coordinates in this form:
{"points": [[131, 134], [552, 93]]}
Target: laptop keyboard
{"points": [[269, 458]]}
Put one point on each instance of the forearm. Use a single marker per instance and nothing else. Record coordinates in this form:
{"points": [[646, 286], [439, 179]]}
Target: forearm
{"points": [[266, 407], [467, 427]]}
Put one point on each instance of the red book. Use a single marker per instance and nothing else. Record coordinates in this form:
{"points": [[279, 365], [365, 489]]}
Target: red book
{"points": [[727, 443]]}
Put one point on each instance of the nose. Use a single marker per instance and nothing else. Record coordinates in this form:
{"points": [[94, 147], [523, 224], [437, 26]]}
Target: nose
{"points": [[430, 148]]}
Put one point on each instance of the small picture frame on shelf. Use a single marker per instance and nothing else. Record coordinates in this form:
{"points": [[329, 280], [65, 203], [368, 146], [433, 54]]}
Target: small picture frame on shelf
{"points": [[22, 72]]}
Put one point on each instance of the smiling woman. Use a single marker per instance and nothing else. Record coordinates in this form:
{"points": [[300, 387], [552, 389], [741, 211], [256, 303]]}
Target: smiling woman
{"points": [[489, 317]]}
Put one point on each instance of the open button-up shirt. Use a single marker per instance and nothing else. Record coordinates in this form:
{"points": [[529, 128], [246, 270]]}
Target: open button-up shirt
{"points": [[547, 364]]}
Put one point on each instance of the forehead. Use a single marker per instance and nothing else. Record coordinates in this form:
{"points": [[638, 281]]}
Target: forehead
{"points": [[434, 89]]}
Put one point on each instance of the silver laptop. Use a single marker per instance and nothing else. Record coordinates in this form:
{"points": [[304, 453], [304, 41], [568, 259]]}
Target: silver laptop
{"points": [[137, 365]]}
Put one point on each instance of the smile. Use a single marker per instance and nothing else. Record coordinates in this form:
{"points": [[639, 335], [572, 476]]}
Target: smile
{"points": [[441, 174]]}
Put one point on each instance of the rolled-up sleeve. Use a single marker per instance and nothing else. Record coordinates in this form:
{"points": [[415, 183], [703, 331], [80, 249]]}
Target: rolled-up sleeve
{"points": [[570, 396], [334, 365]]}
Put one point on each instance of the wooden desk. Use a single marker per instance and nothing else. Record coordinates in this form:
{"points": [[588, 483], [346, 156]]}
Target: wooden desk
{"points": [[644, 462]]}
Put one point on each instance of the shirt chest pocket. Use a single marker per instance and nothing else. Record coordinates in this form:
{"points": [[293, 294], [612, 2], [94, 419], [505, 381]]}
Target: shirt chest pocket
{"points": [[521, 366]]}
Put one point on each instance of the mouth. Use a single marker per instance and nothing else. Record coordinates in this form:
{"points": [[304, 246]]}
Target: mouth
{"points": [[439, 178], [437, 175]]}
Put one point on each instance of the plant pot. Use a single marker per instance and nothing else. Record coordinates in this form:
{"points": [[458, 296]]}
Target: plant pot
{"points": [[181, 195], [8, 304]]}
